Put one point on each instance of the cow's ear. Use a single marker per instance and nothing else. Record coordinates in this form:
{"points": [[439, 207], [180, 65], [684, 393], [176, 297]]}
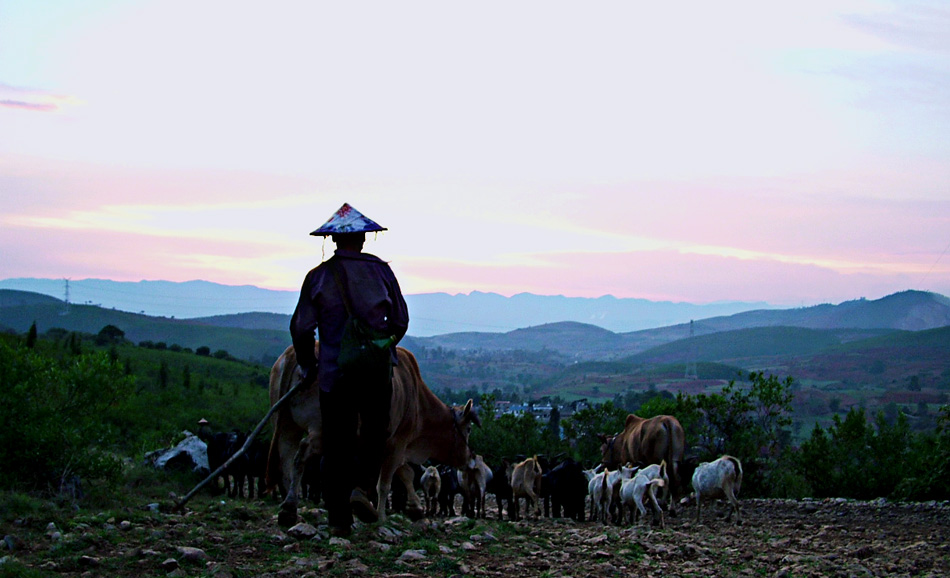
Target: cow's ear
{"points": [[602, 437], [470, 415]]}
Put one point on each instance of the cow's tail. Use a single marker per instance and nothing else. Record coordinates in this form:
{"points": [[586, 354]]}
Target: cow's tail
{"points": [[673, 455], [738, 466]]}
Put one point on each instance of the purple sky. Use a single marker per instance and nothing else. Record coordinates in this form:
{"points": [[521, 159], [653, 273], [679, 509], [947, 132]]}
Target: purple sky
{"points": [[793, 154]]}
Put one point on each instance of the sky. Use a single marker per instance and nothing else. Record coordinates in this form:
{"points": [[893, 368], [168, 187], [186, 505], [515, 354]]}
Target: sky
{"points": [[792, 153]]}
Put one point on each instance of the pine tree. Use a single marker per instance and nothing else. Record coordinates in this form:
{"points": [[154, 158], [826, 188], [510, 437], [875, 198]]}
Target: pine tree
{"points": [[31, 336]]}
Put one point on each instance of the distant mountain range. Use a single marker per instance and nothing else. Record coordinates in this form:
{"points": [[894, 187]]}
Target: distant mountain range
{"points": [[430, 313], [262, 336]]}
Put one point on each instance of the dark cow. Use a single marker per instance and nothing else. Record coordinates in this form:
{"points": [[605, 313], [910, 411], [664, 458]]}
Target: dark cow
{"points": [[500, 486], [253, 468], [566, 486], [221, 446], [647, 441], [449, 489]]}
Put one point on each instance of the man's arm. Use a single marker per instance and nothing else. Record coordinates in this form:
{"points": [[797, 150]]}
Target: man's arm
{"points": [[303, 324], [399, 318]]}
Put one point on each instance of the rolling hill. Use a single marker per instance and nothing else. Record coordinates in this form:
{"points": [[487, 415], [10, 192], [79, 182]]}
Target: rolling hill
{"points": [[17, 313]]}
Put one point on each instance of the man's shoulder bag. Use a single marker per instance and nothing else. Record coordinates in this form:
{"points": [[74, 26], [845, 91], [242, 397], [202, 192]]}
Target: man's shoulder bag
{"points": [[363, 350]]}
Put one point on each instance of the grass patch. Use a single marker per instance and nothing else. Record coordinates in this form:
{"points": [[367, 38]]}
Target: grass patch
{"points": [[13, 569]]}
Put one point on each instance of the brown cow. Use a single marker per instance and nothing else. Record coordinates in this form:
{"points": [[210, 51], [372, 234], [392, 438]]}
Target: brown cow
{"points": [[647, 441], [422, 427]]}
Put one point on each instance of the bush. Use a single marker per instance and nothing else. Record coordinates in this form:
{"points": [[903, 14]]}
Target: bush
{"points": [[53, 415], [858, 458], [510, 436]]}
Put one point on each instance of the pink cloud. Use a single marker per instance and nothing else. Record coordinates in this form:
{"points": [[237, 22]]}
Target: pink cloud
{"points": [[51, 253], [38, 107]]}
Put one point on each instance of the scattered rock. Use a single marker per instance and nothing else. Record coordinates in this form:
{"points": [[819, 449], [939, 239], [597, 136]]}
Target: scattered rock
{"points": [[170, 564], [194, 555], [389, 535], [12, 543], [356, 567], [412, 555], [302, 531], [863, 553]]}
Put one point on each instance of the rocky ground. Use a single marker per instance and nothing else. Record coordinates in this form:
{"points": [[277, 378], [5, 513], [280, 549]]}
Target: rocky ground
{"points": [[225, 538]]}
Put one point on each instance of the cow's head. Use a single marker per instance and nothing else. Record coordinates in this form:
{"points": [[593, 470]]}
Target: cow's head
{"points": [[463, 417], [609, 450]]}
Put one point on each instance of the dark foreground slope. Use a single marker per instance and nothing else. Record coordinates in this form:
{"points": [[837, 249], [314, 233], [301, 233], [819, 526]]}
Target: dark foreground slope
{"points": [[229, 539]]}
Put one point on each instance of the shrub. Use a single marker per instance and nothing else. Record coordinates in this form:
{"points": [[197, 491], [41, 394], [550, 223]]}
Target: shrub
{"points": [[53, 432]]}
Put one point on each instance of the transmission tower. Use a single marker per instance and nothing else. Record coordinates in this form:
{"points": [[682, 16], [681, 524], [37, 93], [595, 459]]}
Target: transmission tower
{"points": [[691, 372], [65, 310]]}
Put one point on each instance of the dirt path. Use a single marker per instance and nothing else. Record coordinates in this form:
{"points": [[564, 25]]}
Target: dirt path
{"points": [[235, 539]]}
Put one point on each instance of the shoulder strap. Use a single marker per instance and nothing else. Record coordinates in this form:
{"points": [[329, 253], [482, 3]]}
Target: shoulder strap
{"points": [[337, 268]]}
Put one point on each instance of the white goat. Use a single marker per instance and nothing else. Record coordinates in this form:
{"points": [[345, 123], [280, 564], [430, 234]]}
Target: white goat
{"points": [[719, 479], [644, 483], [604, 491], [473, 480]]}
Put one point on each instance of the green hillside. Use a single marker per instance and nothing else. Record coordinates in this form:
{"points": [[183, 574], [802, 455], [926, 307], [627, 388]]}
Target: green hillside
{"points": [[743, 343], [260, 345], [171, 390]]}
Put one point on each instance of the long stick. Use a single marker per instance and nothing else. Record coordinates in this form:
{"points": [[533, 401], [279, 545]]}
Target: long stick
{"points": [[181, 504]]}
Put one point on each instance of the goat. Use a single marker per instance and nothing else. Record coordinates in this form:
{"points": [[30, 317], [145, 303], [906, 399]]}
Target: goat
{"points": [[722, 479], [473, 481], [431, 485], [526, 483], [644, 483]]}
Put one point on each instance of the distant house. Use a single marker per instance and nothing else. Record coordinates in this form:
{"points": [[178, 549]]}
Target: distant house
{"points": [[542, 412], [502, 407]]}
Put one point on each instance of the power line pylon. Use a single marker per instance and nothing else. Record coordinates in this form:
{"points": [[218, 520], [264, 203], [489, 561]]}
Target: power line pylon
{"points": [[65, 310], [691, 372]]}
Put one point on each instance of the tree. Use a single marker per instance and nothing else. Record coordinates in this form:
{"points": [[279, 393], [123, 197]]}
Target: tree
{"points": [[110, 334], [74, 344], [834, 404], [582, 429], [855, 459], [31, 337], [509, 436], [914, 384], [163, 375], [554, 423], [748, 421]]}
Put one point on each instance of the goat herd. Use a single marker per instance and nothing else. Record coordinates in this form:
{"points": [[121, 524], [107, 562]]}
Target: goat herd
{"points": [[619, 496], [622, 495]]}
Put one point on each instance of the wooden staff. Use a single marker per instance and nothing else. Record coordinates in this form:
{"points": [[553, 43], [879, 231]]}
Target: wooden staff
{"points": [[181, 504]]}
